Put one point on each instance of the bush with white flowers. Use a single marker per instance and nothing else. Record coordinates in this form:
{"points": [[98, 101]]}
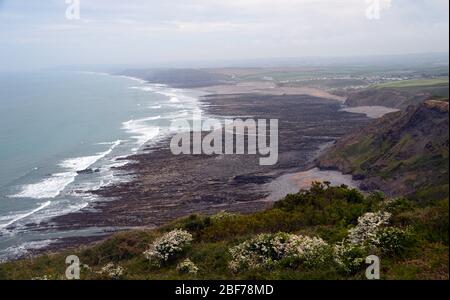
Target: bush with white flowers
{"points": [[260, 251], [268, 249], [187, 267], [349, 257], [112, 271], [312, 251], [394, 240], [168, 246], [371, 232], [45, 277], [223, 215], [368, 227]]}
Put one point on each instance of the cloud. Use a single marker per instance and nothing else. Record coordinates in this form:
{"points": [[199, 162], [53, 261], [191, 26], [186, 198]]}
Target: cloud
{"points": [[116, 31]]}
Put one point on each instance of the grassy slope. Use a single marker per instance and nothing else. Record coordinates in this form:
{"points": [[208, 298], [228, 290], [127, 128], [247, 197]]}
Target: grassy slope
{"points": [[414, 83], [321, 211], [404, 153], [400, 94], [435, 87]]}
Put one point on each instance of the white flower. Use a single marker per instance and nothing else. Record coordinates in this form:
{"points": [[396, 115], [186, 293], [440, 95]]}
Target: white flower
{"points": [[187, 267], [393, 239], [368, 226], [310, 249], [45, 277], [168, 245], [223, 215], [267, 249], [112, 271], [350, 257]]}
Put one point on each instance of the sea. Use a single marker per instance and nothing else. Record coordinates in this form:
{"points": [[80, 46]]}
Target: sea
{"points": [[62, 134]]}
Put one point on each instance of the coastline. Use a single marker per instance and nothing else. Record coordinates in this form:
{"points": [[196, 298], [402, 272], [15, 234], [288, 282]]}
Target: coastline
{"points": [[165, 187], [63, 185]]}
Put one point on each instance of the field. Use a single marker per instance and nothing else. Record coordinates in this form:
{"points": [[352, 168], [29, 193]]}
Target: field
{"points": [[414, 83]]}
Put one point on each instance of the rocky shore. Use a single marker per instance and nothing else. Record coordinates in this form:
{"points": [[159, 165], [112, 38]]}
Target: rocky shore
{"points": [[166, 186]]}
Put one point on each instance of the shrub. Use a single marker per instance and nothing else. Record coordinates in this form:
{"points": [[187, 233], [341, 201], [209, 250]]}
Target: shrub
{"points": [[311, 251], [349, 257], [168, 246], [196, 223], [223, 215], [368, 226], [45, 277], [269, 249], [187, 267], [393, 240], [112, 271], [397, 205]]}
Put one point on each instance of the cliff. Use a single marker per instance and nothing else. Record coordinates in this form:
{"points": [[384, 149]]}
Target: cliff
{"points": [[403, 153]]}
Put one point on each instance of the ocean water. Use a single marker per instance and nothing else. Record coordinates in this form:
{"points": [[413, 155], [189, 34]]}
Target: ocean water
{"points": [[54, 125]]}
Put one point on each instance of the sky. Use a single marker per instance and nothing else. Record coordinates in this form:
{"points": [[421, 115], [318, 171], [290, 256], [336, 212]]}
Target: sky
{"points": [[39, 34]]}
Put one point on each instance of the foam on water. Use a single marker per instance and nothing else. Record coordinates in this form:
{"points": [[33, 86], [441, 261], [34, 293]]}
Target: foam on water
{"points": [[18, 217], [176, 105], [174, 95], [132, 78], [24, 248], [141, 131], [70, 191], [51, 187]]}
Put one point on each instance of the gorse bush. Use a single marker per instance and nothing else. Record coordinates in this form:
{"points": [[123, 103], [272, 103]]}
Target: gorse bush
{"points": [[168, 246]]}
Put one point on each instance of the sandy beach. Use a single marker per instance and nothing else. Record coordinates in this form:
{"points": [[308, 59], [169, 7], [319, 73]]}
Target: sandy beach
{"points": [[269, 88], [373, 112]]}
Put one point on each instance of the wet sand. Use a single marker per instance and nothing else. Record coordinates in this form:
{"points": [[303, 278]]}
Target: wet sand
{"points": [[293, 182], [269, 88], [373, 112]]}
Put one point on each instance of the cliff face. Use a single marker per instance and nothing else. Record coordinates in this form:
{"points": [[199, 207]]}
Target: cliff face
{"points": [[403, 153], [386, 97]]}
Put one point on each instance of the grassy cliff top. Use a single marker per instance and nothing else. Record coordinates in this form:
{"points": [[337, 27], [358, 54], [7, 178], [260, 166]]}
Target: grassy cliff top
{"points": [[326, 214], [414, 83]]}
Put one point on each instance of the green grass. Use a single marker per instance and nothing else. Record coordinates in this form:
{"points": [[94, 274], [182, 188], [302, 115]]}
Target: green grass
{"points": [[414, 83]]}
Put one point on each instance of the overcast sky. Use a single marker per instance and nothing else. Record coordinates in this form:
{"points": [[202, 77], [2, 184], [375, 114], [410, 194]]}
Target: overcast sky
{"points": [[37, 34]]}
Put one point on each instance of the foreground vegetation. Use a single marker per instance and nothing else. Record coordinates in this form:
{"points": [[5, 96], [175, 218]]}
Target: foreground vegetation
{"points": [[323, 233]]}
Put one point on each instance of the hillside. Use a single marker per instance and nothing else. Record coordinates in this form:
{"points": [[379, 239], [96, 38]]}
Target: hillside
{"points": [[323, 233], [403, 153], [399, 94]]}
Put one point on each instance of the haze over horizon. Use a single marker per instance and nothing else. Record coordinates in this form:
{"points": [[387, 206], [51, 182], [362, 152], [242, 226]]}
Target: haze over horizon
{"points": [[38, 35]]}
